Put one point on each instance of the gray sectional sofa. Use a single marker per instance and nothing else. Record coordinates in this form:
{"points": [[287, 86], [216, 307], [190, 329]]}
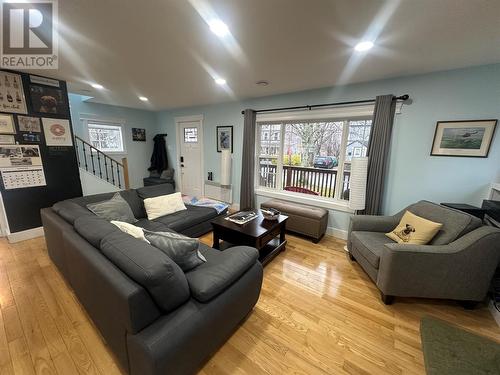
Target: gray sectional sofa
{"points": [[154, 317]]}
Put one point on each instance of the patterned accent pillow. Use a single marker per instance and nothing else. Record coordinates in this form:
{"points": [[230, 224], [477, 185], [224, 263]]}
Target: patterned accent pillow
{"points": [[413, 229]]}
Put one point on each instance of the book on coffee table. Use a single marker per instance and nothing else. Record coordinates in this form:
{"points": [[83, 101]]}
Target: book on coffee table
{"points": [[242, 217]]}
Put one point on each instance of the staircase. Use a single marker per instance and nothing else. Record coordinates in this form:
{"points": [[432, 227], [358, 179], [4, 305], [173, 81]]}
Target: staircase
{"points": [[101, 165]]}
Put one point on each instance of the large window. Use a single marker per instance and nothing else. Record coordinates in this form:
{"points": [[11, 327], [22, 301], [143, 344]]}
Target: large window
{"points": [[106, 137], [310, 156]]}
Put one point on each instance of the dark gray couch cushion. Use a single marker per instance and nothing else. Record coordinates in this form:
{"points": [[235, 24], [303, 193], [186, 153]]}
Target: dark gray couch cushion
{"points": [[149, 267], [151, 225], [370, 245], [189, 217], [133, 200], [221, 270], [155, 191], [70, 211], [94, 228], [181, 249], [455, 223], [115, 208], [88, 199]]}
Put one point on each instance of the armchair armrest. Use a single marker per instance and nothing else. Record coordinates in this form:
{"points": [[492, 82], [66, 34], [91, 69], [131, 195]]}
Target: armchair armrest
{"points": [[461, 270], [370, 223]]}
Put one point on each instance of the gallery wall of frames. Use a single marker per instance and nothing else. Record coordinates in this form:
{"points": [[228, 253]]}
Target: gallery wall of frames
{"points": [[38, 164]]}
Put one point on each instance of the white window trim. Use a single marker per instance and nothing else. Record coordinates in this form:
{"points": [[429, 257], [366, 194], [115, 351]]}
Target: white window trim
{"points": [[344, 113], [310, 200], [111, 122]]}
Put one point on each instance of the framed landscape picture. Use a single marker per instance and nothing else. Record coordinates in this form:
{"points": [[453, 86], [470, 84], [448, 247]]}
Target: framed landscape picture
{"points": [[463, 138], [224, 138]]}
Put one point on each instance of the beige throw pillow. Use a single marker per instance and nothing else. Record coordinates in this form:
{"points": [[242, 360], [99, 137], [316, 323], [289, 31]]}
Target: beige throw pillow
{"points": [[413, 229], [131, 229], [163, 205]]}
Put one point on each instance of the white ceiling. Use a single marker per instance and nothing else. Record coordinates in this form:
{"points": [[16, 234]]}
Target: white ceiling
{"points": [[163, 49]]}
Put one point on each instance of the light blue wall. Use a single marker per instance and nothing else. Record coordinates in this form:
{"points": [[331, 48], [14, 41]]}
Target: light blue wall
{"points": [[471, 93], [138, 154]]}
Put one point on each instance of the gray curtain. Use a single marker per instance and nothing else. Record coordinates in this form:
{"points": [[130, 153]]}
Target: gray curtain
{"points": [[378, 152], [248, 161]]}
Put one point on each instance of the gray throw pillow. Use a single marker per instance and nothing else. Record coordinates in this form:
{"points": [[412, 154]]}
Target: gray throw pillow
{"points": [[181, 249], [115, 208]]}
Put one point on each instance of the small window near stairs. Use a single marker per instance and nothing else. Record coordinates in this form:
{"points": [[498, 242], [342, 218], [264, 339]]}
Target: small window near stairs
{"points": [[106, 137]]}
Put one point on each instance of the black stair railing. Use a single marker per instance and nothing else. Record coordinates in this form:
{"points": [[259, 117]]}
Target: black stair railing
{"points": [[101, 165]]}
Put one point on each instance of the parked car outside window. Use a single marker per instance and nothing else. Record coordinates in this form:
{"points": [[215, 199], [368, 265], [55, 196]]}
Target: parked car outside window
{"points": [[327, 162]]}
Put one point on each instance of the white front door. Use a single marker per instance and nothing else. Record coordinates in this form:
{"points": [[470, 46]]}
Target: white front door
{"points": [[190, 157]]}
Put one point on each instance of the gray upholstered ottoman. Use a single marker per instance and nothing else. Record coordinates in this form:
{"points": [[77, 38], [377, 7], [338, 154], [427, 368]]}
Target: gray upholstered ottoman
{"points": [[307, 220]]}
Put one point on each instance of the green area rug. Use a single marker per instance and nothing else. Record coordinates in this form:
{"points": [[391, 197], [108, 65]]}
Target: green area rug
{"points": [[451, 350]]}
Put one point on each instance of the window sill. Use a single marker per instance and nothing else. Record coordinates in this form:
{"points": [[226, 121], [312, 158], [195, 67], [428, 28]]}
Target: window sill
{"points": [[304, 199]]}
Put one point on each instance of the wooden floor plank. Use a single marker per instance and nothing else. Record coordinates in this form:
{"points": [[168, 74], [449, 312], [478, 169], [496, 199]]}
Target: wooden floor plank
{"points": [[318, 313], [5, 360]]}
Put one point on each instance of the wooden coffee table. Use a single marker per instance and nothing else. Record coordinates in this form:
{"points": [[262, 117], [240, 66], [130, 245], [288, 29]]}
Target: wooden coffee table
{"points": [[268, 236]]}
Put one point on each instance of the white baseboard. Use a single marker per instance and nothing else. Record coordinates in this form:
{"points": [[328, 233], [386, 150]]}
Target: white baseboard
{"points": [[25, 235], [335, 232], [494, 312]]}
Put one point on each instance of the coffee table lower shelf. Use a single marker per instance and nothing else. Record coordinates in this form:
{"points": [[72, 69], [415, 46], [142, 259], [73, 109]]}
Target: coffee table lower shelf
{"points": [[267, 253]]}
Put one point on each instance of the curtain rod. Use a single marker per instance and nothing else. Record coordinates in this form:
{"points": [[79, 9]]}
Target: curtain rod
{"points": [[310, 107]]}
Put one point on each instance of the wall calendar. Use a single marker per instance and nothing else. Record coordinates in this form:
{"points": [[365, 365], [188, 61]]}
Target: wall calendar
{"points": [[18, 178]]}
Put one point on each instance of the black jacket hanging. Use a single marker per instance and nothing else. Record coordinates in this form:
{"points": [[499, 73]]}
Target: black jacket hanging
{"points": [[159, 159]]}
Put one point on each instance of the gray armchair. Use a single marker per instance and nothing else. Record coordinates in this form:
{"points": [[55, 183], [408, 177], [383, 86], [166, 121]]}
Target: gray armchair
{"points": [[458, 263]]}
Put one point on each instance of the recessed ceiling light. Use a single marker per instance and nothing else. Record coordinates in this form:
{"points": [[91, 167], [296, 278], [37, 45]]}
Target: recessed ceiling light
{"points": [[219, 28], [220, 81], [262, 83], [363, 46], [97, 86], [143, 98]]}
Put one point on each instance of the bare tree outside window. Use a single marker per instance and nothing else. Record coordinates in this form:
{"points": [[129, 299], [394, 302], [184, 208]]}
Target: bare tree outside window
{"points": [[314, 156]]}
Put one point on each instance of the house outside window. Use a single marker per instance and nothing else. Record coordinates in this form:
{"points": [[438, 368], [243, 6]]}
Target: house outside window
{"points": [[311, 157], [106, 137]]}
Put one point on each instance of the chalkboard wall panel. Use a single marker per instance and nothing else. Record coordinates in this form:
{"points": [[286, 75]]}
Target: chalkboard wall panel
{"points": [[22, 206]]}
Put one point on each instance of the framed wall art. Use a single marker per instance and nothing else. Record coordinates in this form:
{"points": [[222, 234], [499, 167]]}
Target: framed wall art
{"points": [[48, 100], [224, 138], [7, 124], [57, 132], [139, 134], [463, 138], [29, 124], [7, 139], [12, 98]]}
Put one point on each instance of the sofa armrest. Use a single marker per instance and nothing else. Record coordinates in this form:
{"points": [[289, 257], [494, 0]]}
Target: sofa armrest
{"points": [[370, 223], [210, 279], [460, 270]]}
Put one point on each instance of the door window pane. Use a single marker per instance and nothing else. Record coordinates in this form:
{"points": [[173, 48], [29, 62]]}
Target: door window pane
{"points": [[190, 135]]}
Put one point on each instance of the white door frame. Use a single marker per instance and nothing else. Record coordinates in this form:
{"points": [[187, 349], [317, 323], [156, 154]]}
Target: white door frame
{"points": [[178, 140]]}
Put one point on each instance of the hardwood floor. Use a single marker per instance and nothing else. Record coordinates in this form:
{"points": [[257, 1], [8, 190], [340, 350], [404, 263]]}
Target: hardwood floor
{"points": [[318, 314]]}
